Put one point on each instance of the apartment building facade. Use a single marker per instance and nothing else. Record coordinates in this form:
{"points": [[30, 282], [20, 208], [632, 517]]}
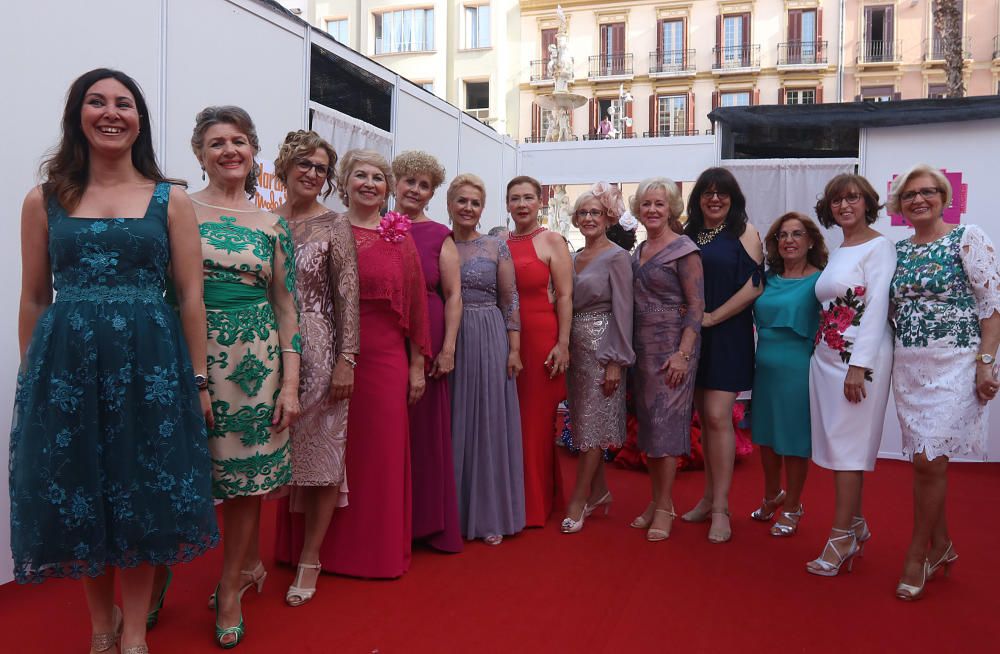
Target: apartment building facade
{"points": [[463, 51], [895, 51]]}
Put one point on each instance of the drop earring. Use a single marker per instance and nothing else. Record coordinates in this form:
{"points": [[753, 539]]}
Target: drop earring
{"points": [[203, 173]]}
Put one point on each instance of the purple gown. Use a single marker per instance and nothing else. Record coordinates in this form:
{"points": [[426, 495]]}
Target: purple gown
{"points": [[435, 504]]}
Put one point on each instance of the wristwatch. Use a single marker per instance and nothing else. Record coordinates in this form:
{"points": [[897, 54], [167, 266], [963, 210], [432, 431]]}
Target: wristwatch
{"points": [[982, 357], [201, 381]]}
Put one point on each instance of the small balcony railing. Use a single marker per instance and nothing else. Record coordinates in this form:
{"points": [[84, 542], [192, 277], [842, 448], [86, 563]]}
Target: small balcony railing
{"points": [[540, 71], [671, 62], [597, 136], [933, 49], [878, 52], [735, 57], [670, 132], [802, 53], [540, 138], [612, 64]]}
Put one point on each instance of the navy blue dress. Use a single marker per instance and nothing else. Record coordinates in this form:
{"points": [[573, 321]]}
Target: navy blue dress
{"points": [[108, 457], [726, 362]]}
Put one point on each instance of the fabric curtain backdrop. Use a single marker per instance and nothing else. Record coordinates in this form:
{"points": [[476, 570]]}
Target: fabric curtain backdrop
{"points": [[346, 133], [776, 186]]}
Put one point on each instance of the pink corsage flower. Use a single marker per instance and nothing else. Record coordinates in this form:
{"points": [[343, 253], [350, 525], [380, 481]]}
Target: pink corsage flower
{"points": [[859, 291], [393, 227]]}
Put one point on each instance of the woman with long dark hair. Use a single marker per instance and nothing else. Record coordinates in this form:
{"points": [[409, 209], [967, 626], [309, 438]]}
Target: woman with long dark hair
{"points": [[732, 257], [109, 472]]}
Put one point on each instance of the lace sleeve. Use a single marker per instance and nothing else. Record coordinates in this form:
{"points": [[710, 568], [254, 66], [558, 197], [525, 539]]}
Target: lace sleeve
{"points": [[507, 298], [979, 258], [692, 277], [415, 299], [342, 269], [282, 291]]}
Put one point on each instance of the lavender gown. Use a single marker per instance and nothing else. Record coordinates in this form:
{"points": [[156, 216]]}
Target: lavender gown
{"points": [[669, 296], [485, 418], [435, 508]]}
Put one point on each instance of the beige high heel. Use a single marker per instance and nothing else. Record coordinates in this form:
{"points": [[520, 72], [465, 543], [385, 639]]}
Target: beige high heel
{"points": [[656, 535], [136, 649], [908, 593], [718, 536], [695, 515], [297, 595], [605, 501], [256, 576], [105, 641], [641, 521], [947, 559]]}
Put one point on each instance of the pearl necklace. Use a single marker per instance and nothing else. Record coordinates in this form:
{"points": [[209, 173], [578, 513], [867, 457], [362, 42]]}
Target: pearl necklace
{"points": [[706, 236]]}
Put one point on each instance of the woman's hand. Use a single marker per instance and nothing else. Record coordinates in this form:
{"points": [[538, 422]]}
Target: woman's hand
{"points": [[676, 368], [444, 363], [514, 365], [206, 407], [854, 384], [417, 383], [986, 384], [286, 407], [558, 360], [341, 382], [707, 319], [612, 379]]}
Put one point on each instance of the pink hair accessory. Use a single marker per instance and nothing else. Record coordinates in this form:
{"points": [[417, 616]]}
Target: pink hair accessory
{"points": [[610, 197], [393, 227]]}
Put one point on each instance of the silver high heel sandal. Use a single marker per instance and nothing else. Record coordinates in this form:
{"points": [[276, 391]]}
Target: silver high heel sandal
{"points": [[947, 559], [136, 649], [908, 593], [105, 641], [865, 534], [824, 568], [781, 529], [761, 514], [297, 595]]}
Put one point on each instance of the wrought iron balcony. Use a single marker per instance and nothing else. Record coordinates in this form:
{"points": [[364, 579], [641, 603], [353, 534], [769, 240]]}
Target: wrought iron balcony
{"points": [[933, 49], [540, 71], [540, 138], [597, 136], [792, 54], [879, 52], [736, 58], [671, 132], [669, 63], [612, 64]]}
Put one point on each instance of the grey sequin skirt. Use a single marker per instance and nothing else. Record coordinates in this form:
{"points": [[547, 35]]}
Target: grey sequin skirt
{"points": [[595, 420]]}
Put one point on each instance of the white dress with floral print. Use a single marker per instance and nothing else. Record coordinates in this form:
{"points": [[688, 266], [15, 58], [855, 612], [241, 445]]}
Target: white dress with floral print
{"points": [[941, 290], [854, 329]]}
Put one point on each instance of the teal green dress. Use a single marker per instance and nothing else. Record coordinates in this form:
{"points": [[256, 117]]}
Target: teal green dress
{"points": [[787, 317]]}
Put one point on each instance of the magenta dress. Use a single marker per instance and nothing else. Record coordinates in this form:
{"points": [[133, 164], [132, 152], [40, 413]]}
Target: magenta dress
{"points": [[435, 504]]}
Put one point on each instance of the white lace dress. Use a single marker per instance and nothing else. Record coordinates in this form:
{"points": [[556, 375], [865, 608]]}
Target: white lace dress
{"points": [[941, 290]]}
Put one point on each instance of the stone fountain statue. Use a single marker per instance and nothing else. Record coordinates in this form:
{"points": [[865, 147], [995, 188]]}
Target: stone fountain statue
{"points": [[562, 103]]}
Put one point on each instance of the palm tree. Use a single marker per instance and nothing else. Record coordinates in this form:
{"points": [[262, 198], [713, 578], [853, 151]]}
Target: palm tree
{"points": [[948, 24]]}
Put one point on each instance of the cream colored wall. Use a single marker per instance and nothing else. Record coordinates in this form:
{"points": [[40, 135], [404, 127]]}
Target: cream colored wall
{"points": [[912, 26], [768, 28]]}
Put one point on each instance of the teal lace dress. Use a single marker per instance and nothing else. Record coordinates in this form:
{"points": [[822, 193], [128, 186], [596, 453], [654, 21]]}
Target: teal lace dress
{"points": [[108, 457]]}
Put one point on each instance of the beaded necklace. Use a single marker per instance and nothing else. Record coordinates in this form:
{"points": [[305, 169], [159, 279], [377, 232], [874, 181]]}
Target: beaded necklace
{"points": [[525, 237], [706, 236]]}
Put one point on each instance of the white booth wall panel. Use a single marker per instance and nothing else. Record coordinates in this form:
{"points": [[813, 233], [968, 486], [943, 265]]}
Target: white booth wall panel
{"points": [[423, 122], [43, 56], [219, 52], [585, 162], [969, 148], [481, 153]]}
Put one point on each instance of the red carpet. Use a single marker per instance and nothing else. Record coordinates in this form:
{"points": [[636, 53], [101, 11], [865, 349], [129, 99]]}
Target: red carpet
{"points": [[604, 589]]}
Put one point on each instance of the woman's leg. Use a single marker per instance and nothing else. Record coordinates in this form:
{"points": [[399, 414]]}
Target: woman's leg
{"points": [[847, 487], [252, 557], [929, 487], [717, 423], [662, 471], [239, 517], [599, 484], [771, 464], [320, 504], [100, 592], [137, 584], [703, 509], [586, 468]]}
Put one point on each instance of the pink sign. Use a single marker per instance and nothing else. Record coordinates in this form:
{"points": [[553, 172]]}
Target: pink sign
{"points": [[953, 212]]}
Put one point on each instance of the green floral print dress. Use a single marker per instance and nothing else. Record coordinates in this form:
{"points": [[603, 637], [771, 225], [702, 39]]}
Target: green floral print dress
{"points": [[940, 291], [249, 283]]}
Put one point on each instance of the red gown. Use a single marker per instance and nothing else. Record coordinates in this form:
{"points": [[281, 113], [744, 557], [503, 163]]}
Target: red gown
{"points": [[371, 537], [538, 395]]}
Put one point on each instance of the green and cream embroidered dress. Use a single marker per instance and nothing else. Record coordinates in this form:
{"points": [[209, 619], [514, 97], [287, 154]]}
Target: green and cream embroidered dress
{"points": [[249, 283]]}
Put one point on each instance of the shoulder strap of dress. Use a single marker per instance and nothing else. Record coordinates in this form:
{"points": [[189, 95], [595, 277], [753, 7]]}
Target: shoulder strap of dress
{"points": [[53, 210], [159, 202]]}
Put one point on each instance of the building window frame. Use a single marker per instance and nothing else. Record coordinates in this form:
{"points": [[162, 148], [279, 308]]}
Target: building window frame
{"points": [[481, 113], [675, 122], [480, 37], [407, 31], [796, 96], [344, 28]]}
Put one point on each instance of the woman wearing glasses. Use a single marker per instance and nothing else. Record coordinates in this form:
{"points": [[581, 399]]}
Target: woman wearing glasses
{"points": [[600, 347], [850, 368], [946, 293], [786, 316], [326, 284], [732, 255]]}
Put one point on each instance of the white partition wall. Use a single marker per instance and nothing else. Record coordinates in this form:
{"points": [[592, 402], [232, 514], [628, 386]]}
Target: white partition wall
{"points": [[969, 148]]}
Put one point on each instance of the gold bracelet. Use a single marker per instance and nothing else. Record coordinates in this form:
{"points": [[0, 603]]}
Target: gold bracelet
{"points": [[290, 350]]}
